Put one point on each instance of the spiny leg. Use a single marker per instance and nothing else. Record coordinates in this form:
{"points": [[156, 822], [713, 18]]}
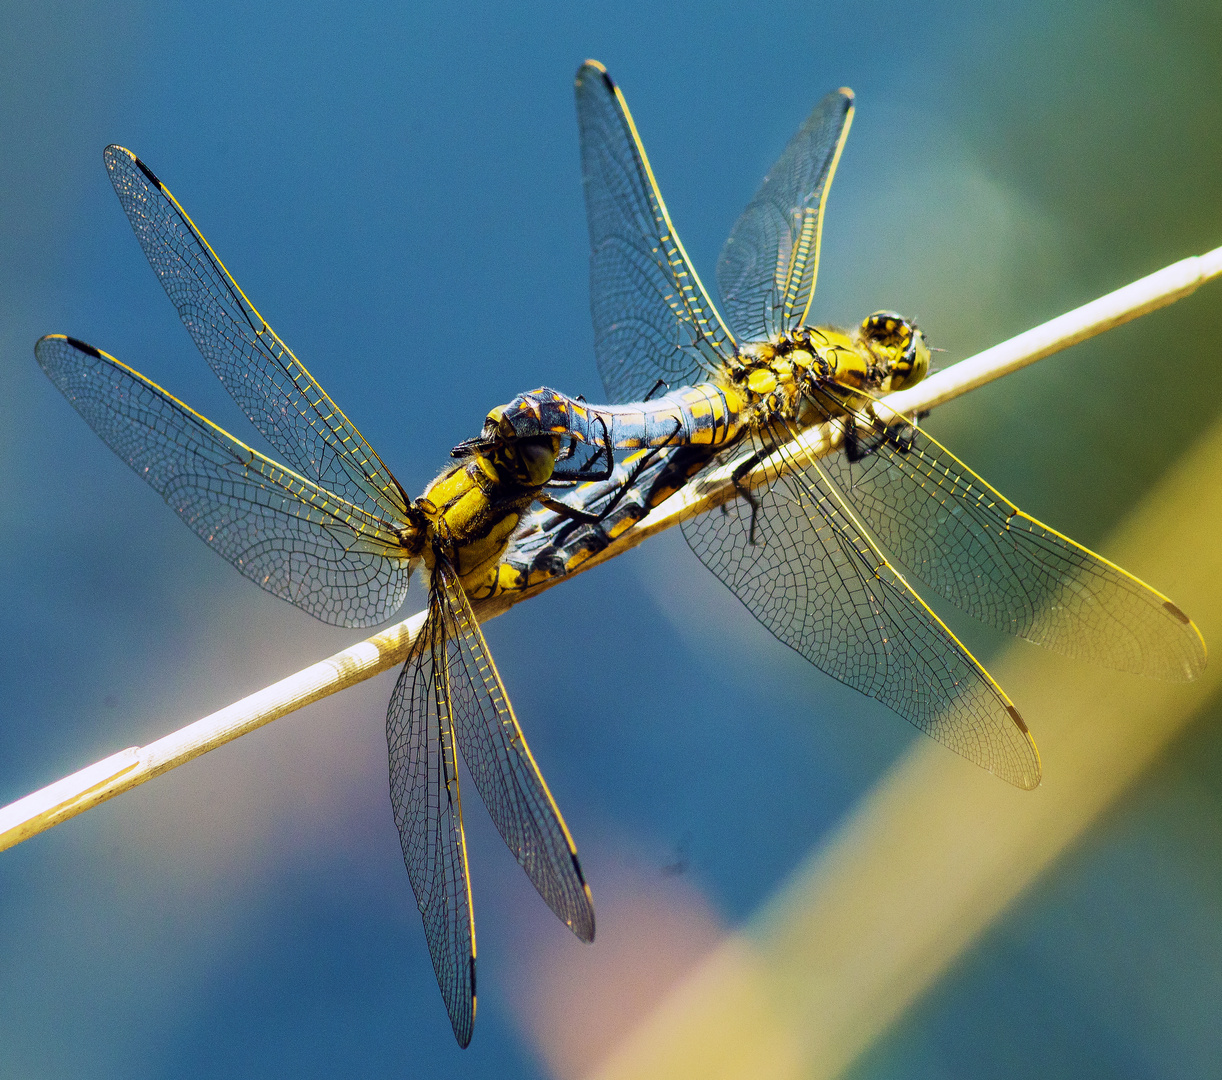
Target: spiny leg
{"points": [[585, 471], [586, 518]]}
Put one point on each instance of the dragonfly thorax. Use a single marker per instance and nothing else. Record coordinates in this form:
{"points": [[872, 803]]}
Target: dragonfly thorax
{"points": [[473, 509], [887, 352], [769, 376], [778, 379]]}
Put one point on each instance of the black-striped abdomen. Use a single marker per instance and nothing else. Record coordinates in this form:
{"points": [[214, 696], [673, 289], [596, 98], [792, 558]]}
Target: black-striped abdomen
{"points": [[704, 415], [552, 546]]}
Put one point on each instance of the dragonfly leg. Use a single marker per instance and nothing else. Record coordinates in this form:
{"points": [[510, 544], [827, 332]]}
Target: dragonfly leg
{"points": [[586, 471], [558, 506], [858, 447], [568, 451], [640, 467], [584, 516], [746, 493]]}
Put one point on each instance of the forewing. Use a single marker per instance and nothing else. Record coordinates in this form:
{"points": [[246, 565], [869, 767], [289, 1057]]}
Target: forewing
{"points": [[982, 553], [653, 319], [767, 268], [504, 771], [812, 576], [428, 812], [268, 382], [298, 541]]}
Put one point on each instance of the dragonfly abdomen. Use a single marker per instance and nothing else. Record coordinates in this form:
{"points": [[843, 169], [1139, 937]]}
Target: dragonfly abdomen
{"points": [[708, 414], [550, 547]]}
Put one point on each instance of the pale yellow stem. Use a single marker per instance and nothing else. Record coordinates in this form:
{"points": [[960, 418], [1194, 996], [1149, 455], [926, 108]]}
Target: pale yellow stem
{"points": [[85, 789]]}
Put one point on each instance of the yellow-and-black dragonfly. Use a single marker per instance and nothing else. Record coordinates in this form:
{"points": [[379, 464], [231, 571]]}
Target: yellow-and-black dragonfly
{"points": [[802, 545], [334, 533]]}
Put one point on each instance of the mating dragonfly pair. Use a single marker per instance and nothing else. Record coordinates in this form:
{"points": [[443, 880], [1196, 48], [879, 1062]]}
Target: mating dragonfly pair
{"points": [[798, 540]]}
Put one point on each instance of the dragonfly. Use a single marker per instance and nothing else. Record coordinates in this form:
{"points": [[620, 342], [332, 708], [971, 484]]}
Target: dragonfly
{"points": [[801, 542], [334, 533]]}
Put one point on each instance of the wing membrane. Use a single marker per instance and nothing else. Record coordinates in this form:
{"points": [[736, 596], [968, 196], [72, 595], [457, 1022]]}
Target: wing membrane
{"points": [[504, 770], [814, 578], [296, 540], [428, 811], [767, 268], [653, 319], [982, 553], [268, 382]]}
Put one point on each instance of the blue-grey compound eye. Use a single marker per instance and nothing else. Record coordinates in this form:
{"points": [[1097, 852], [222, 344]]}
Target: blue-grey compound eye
{"points": [[538, 460]]}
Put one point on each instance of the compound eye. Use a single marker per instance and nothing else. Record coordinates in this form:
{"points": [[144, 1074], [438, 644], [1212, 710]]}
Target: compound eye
{"points": [[538, 460], [915, 363], [888, 329]]}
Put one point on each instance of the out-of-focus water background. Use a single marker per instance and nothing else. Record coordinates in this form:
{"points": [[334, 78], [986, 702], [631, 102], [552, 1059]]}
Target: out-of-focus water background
{"points": [[398, 192]]}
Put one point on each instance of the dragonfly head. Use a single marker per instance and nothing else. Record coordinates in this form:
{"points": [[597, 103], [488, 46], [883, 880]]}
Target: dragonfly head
{"points": [[900, 345], [524, 460], [529, 461], [521, 440]]}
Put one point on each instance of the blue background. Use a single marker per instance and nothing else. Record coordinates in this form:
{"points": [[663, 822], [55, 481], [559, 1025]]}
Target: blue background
{"points": [[398, 192]]}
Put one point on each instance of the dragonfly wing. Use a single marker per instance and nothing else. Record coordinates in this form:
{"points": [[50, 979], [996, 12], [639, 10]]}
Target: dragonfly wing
{"points": [[268, 382], [982, 553], [428, 812], [813, 577], [653, 319], [767, 268], [504, 770], [298, 541]]}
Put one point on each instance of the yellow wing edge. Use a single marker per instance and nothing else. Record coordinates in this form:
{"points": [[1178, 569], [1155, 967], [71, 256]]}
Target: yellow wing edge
{"points": [[458, 597], [827, 189], [1015, 715], [428, 635], [323, 395], [1168, 605], [672, 235], [309, 485]]}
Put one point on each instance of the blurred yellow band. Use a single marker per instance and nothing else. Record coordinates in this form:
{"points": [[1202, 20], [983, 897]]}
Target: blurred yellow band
{"points": [[938, 849]]}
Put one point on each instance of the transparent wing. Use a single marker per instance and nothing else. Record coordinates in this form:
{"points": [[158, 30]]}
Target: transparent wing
{"points": [[767, 268], [340, 563], [805, 568], [653, 319], [504, 770], [267, 381], [428, 812], [982, 553]]}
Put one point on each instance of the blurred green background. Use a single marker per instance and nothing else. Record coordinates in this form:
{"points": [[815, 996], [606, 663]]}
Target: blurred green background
{"points": [[398, 192]]}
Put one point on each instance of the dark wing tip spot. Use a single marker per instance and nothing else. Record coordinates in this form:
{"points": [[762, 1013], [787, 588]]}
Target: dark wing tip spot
{"points": [[1176, 612], [593, 67], [83, 346], [1017, 718], [152, 176]]}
